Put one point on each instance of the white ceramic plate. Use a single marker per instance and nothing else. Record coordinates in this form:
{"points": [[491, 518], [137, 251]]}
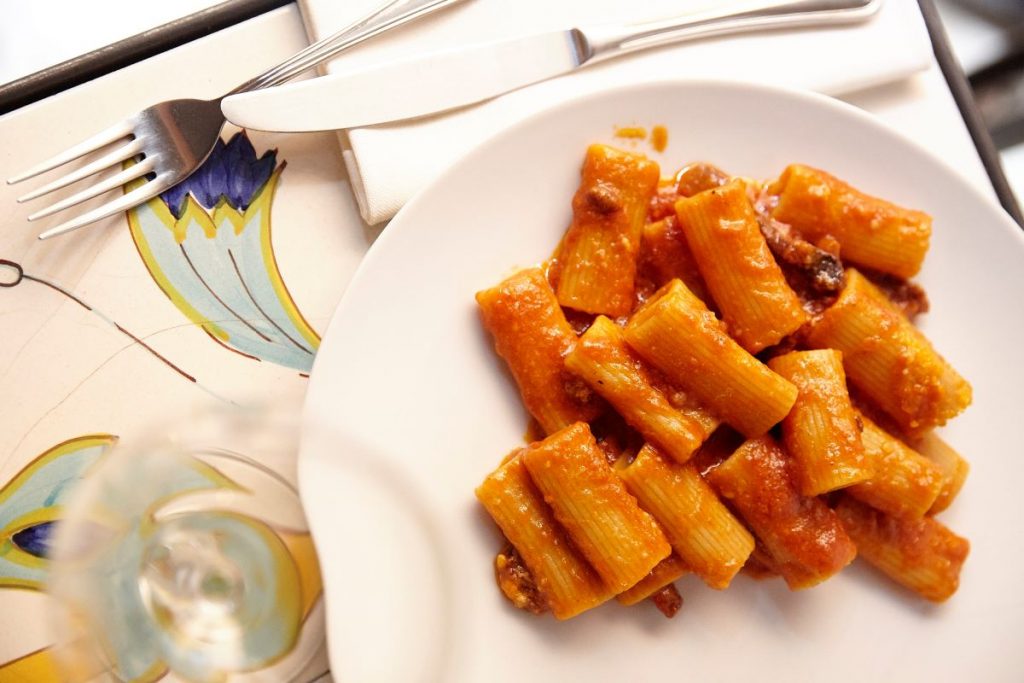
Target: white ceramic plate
{"points": [[420, 410]]}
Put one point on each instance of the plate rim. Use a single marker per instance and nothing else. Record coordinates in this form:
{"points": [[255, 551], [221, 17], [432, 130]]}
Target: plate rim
{"points": [[306, 464], [816, 98]]}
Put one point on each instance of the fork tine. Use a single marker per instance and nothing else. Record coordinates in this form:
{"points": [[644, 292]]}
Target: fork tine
{"points": [[105, 137], [120, 154], [123, 203], [106, 185]]}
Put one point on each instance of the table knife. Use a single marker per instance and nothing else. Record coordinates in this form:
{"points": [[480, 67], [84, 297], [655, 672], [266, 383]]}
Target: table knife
{"points": [[440, 81]]}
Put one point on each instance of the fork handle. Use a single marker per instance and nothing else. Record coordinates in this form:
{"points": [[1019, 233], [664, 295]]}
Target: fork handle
{"points": [[392, 15], [598, 43]]}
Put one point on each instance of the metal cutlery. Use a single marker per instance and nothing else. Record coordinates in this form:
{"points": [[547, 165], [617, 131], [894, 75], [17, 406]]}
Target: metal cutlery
{"points": [[437, 82], [171, 139]]}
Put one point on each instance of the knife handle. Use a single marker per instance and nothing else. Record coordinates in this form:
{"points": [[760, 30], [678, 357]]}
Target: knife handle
{"points": [[391, 15], [598, 43]]}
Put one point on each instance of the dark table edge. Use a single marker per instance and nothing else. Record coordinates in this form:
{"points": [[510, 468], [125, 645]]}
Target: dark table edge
{"points": [[105, 60], [962, 94], [123, 53]]}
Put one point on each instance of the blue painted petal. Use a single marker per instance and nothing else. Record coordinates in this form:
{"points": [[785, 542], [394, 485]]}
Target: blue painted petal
{"points": [[243, 301], [174, 198], [232, 171], [212, 177], [260, 170], [35, 540]]}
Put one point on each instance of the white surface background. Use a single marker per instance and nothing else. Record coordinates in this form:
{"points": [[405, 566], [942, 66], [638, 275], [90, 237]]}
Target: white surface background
{"points": [[36, 34], [31, 39], [83, 377], [420, 351], [41, 33]]}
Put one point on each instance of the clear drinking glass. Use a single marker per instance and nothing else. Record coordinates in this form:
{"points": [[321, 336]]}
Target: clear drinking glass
{"points": [[189, 557]]}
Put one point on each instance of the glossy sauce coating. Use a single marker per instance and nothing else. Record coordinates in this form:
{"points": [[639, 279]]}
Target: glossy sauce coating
{"points": [[803, 535], [822, 432], [599, 251], [659, 138], [921, 554], [619, 540], [889, 359], [723, 233], [676, 333], [532, 335], [603, 360], [873, 232]]}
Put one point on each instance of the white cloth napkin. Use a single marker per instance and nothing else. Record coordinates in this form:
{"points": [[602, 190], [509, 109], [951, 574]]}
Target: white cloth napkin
{"points": [[388, 164]]}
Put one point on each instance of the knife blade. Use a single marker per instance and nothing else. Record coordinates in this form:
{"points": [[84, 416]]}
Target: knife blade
{"points": [[432, 83], [406, 88]]}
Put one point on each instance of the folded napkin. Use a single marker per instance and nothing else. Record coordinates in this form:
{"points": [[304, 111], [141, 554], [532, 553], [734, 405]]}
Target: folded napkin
{"points": [[388, 164]]}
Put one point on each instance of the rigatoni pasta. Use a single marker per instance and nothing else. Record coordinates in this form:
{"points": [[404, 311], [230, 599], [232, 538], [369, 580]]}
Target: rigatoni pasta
{"points": [[532, 335], [802, 534], [872, 232], [621, 541], [705, 535], [905, 483], [671, 448], [821, 432], [953, 466], [677, 334], [567, 582], [888, 358], [756, 303], [603, 360], [921, 554], [597, 259]]}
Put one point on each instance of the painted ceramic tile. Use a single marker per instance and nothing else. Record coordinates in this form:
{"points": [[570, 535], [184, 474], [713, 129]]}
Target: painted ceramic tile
{"points": [[216, 291]]}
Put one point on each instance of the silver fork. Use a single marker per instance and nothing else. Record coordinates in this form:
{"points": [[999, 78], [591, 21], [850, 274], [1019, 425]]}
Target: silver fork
{"points": [[174, 137]]}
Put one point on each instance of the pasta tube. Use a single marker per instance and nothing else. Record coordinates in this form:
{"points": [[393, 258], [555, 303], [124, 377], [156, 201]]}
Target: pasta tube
{"points": [[532, 336], [678, 335], [563, 577], [921, 554], [668, 570], [598, 255], [954, 468], [821, 432], [705, 535], [722, 230], [611, 369], [905, 483], [871, 232], [665, 255], [621, 541], [889, 359], [806, 542]]}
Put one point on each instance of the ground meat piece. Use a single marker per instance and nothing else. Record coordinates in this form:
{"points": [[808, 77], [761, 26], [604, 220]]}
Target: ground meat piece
{"points": [[668, 600], [579, 321], [759, 565], [604, 198], [907, 296], [615, 438], [823, 270], [577, 389], [663, 203], [517, 583], [813, 270], [696, 178]]}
